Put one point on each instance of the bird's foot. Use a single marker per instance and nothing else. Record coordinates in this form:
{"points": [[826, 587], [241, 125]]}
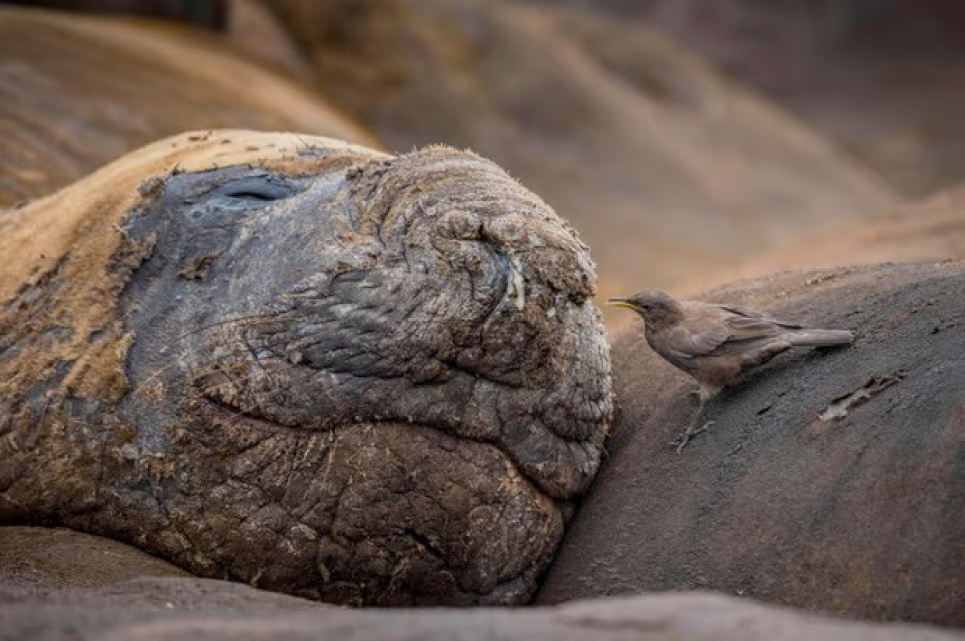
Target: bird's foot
{"points": [[685, 437], [693, 392]]}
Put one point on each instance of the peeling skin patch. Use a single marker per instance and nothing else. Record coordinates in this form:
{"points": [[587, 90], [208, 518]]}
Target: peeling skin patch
{"points": [[841, 406]]}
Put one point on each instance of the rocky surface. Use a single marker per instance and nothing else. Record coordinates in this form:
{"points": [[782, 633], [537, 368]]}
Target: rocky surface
{"points": [[666, 168], [832, 480], [76, 92], [150, 608], [304, 365]]}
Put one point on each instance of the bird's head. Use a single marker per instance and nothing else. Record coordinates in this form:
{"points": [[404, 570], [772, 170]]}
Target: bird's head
{"points": [[656, 307]]}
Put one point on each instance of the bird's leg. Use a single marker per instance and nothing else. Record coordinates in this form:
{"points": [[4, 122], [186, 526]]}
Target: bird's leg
{"points": [[692, 430]]}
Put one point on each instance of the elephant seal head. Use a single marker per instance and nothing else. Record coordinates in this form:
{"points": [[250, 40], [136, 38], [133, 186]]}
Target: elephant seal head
{"points": [[371, 378]]}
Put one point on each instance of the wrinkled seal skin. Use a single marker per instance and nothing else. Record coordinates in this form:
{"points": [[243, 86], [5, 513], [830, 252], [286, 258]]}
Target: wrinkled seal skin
{"points": [[316, 369]]}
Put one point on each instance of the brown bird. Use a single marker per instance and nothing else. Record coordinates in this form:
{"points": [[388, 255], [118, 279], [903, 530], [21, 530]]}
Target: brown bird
{"points": [[717, 343]]}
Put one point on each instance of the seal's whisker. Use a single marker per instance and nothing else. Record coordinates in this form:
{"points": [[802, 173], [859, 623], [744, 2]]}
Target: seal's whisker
{"points": [[217, 354], [236, 375], [234, 343], [273, 341], [225, 322]]}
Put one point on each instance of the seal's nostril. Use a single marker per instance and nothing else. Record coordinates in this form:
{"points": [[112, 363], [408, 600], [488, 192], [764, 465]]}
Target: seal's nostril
{"points": [[460, 225]]}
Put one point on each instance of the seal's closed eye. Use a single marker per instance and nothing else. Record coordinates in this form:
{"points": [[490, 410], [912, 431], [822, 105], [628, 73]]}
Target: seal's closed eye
{"points": [[256, 189]]}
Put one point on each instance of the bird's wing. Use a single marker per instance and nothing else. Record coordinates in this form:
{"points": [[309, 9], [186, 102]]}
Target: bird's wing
{"points": [[720, 330], [717, 330], [741, 311], [742, 328], [684, 343], [747, 337], [742, 316]]}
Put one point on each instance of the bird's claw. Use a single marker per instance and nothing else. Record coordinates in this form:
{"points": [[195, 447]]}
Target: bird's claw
{"points": [[685, 437], [688, 393]]}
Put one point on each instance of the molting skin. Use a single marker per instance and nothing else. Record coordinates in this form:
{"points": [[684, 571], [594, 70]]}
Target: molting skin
{"points": [[322, 370]]}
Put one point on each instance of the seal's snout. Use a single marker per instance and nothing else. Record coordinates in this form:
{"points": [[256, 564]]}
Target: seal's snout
{"points": [[459, 224], [447, 296]]}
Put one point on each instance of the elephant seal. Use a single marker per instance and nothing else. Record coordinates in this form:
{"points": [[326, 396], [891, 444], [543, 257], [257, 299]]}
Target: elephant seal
{"points": [[304, 365]]}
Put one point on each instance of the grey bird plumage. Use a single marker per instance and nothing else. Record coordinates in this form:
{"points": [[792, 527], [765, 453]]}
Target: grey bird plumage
{"points": [[716, 343]]}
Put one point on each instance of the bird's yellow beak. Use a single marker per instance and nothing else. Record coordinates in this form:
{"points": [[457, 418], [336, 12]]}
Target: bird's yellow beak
{"points": [[621, 302]]}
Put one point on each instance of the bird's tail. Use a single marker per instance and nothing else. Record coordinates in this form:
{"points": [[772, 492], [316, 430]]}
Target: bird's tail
{"points": [[820, 337]]}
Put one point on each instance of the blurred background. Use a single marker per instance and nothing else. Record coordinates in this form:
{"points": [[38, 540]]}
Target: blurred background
{"points": [[689, 141]]}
